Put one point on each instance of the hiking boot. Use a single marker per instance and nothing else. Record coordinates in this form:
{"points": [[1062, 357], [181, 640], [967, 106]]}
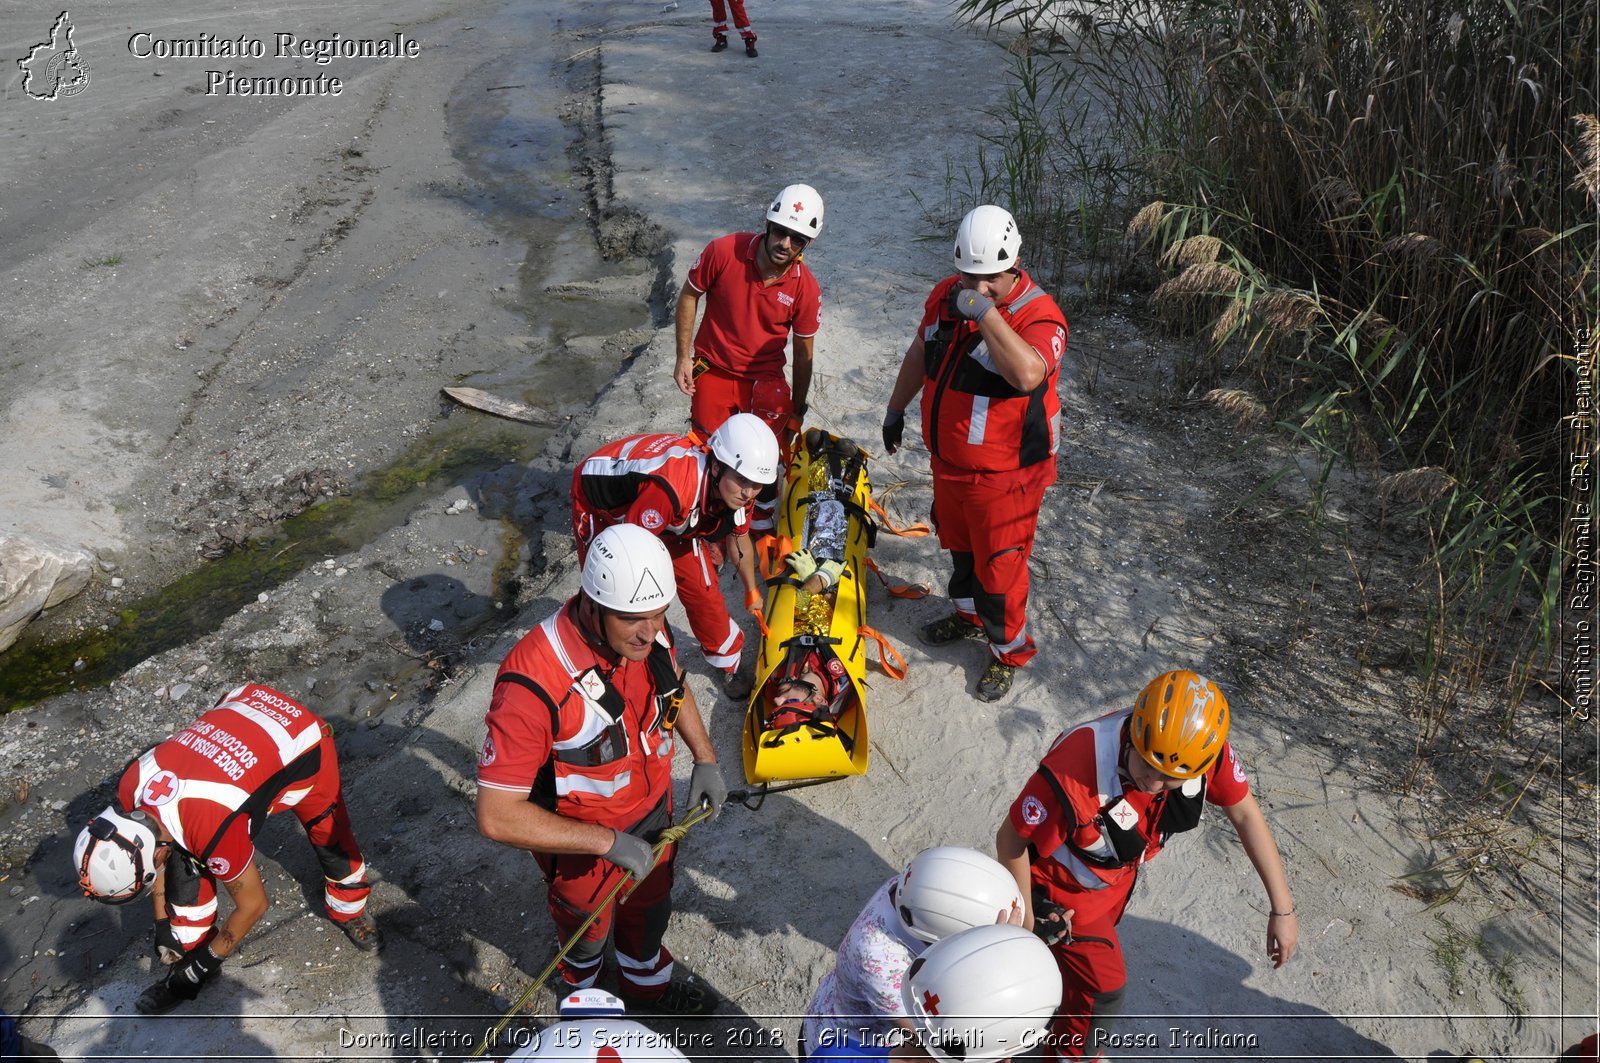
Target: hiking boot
{"points": [[720, 44], [750, 48], [996, 681], [685, 998], [736, 684], [949, 629], [157, 1000], [362, 932]]}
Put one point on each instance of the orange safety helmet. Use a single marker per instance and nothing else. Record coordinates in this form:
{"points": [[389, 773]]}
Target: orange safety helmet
{"points": [[1179, 724]]}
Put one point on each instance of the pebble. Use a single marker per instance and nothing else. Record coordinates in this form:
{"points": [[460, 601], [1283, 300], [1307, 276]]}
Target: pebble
{"points": [[263, 597], [341, 571], [117, 582], [436, 625], [178, 691]]}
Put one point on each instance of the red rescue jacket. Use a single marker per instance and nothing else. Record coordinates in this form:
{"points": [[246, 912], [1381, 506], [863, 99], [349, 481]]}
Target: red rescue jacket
{"points": [[972, 418]]}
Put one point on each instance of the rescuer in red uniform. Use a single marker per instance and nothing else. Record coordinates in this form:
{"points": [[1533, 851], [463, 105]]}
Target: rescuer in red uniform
{"points": [[577, 765], [185, 815], [987, 359], [1106, 799]]}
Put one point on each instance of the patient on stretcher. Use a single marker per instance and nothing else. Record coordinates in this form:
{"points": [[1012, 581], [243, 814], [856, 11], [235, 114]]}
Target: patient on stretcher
{"points": [[807, 690]]}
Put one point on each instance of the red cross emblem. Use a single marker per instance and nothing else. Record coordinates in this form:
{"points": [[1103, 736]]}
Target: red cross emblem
{"points": [[161, 789], [930, 1002], [798, 207]]}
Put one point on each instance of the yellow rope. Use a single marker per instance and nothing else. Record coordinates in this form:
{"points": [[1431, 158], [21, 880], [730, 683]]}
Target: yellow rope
{"points": [[668, 837]]}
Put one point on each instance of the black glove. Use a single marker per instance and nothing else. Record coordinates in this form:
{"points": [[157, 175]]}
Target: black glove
{"points": [[970, 305], [706, 784], [631, 853], [894, 430], [193, 972], [169, 949], [1050, 921]]}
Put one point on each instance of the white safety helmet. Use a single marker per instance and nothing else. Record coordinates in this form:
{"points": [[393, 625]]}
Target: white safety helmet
{"points": [[987, 241], [798, 208], [949, 889], [592, 1028], [746, 445], [983, 994], [628, 570], [116, 855]]}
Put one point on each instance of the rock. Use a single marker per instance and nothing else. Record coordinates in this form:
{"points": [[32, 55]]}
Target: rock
{"points": [[36, 574]]}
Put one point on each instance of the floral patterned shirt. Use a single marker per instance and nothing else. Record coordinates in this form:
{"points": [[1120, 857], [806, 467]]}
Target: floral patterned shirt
{"points": [[860, 997]]}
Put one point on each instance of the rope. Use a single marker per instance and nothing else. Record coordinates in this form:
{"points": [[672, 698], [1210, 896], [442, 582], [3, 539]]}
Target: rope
{"points": [[668, 837]]}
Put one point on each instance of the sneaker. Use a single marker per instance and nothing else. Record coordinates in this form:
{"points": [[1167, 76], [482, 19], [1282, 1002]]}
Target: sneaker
{"points": [[720, 44], [996, 681], [736, 684], [157, 1000], [362, 932], [949, 629], [750, 48], [685, 998]]}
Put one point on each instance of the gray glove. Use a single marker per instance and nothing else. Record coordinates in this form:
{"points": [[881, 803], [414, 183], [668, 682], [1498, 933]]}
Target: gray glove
{"points": [[971, 305], [631, 853], [706, 784]]}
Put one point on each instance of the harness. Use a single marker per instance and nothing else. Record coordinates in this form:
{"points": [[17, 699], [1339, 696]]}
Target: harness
{"points": [[1121, 844], [952, 366], [610, 743]]}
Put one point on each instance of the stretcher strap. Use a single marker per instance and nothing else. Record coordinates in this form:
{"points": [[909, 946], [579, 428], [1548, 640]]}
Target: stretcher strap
{"points": [[911, 531], [904, 590], [897, 670]]}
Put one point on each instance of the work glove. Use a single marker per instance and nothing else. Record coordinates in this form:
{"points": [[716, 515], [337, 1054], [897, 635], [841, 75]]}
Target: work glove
{"points": [[631, 853], [894, 429], [1051, 922], [970, 305], [191, 973], [805, 565], [169, 950], [802, 564], [706, 784]]}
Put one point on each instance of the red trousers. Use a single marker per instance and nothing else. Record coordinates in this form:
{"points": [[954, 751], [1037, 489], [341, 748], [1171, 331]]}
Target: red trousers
{"points": [[1093, 974], [987, 523], [699, 589], [718, 396], [578, 884], [741, 21], [191, 891]]}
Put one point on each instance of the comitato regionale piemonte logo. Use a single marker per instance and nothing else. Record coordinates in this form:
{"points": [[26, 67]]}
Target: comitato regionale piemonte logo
{"points": [[55, 68]]}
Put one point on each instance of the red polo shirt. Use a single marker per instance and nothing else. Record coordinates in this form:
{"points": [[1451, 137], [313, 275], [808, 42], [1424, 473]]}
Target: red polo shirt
{"points": [[746, 327]]}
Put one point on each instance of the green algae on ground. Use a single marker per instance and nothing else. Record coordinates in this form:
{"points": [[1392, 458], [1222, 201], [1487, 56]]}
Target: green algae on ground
{"points": [[197, 602]]}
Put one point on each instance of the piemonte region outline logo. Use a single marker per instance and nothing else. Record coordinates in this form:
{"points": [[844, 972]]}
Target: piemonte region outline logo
{"points": [[55, 69]]}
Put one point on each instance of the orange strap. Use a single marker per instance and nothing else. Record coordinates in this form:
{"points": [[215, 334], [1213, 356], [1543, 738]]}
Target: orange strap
{"points": [[770, 551], [913, 531], [905, 590], [752, 602], [897, 670]]}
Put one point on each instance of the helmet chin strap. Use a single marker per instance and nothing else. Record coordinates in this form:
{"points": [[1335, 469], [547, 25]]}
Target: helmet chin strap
{"points": [[591, 625]]}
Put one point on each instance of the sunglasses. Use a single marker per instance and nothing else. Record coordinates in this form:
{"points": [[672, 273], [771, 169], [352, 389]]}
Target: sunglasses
{"points": [[800, 242]]}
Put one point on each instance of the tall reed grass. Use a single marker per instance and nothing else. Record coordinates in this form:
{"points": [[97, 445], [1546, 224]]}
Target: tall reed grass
{"points": [[1384, 211]]}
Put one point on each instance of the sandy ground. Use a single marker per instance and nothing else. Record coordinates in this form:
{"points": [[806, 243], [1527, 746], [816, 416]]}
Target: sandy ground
{"points": [[1147, 559]]}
